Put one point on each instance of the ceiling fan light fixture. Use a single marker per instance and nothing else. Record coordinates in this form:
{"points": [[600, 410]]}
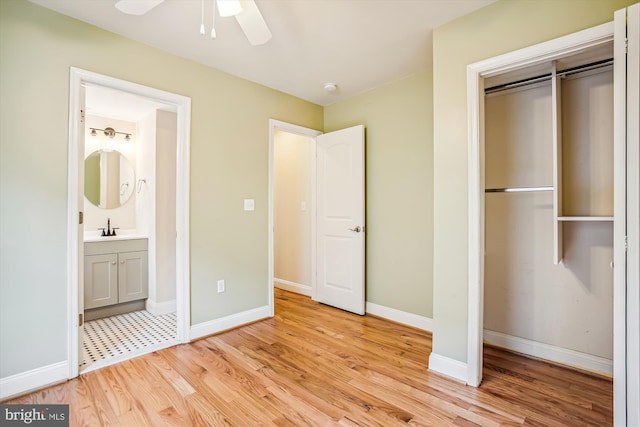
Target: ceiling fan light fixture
{"points": [[136, 7], [229, 7]]}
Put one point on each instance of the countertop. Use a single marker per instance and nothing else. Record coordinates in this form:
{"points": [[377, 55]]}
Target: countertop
{"points": [[96, 236]]}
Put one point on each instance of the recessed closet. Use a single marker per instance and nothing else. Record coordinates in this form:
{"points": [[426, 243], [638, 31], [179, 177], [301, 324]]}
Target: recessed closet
{"points": [[548, 277]]}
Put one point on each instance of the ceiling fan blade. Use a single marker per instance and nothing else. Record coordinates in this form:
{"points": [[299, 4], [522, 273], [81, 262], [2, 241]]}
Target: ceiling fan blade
{"points": [[252, 23], [136, 7]]}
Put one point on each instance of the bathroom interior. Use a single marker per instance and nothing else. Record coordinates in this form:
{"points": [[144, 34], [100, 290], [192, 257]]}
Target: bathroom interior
{"points": [[129, 286]]}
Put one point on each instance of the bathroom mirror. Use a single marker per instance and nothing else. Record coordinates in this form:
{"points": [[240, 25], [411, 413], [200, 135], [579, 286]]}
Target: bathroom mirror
{"points": [[108, 179]]}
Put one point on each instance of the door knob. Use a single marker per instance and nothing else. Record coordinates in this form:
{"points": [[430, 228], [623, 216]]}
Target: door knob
{"points": [[356, 229]]}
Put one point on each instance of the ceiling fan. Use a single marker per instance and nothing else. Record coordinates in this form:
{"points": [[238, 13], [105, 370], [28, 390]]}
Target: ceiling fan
{"points": [[246, 13]]}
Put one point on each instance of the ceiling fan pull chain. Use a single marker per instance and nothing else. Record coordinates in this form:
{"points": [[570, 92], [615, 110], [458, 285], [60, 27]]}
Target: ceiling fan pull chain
{"points": [[202, 20], [213, 21]]}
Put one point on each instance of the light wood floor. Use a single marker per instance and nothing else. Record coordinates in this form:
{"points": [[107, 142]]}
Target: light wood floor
{"points": [[315, 365]]}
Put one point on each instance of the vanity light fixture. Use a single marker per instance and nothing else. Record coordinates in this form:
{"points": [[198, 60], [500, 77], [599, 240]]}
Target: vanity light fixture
{"points": [[110, 132]]}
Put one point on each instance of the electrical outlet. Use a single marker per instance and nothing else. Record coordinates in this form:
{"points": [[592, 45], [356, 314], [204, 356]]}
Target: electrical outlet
{"points": [[220, 286]]}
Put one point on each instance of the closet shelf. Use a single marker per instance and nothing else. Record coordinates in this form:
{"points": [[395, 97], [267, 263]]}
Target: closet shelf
{"points": [[586, 218]]}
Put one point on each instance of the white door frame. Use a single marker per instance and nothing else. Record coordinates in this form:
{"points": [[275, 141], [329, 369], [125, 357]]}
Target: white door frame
{"points": [[476, 73], [311, 133], [78, 77]]}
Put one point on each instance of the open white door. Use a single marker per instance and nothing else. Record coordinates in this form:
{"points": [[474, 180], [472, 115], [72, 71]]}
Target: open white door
{"points": [[340, 219]]}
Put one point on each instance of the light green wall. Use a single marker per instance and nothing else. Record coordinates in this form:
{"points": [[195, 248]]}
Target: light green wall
{"points": [[229, 162], [399, 189], [501, 27]]}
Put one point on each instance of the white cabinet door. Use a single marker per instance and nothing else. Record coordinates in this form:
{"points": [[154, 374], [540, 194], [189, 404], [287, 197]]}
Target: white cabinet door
{"points": [[133, 276], [100, 280]]}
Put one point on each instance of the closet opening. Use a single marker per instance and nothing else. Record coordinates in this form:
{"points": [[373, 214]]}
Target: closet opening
{"points": [[540, 240], [548, 209]]}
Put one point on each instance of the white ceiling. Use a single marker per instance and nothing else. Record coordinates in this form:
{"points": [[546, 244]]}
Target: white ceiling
{"points": [[357, 44]]}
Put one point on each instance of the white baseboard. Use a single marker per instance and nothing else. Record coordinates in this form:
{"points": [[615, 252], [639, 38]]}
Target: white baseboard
{"points": [[292, 286], [550, 352], [35, 379], [447, 366], [410, 319], [160, 308], [235, 320]]}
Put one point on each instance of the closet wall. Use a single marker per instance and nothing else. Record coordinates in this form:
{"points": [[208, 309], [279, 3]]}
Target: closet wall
{"points": [[533, 304]]}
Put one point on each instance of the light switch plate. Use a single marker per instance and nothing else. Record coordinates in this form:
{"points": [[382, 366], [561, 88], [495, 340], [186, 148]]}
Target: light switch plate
{"points": [[249, 204]]}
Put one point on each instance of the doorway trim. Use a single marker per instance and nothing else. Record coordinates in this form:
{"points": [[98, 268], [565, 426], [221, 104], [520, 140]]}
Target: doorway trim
{"points": [[311, 133], [78, 77], [476, 73]]}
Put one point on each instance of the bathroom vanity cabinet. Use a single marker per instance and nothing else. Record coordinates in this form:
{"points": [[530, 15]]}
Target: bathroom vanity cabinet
{"points": [[116, 272]]}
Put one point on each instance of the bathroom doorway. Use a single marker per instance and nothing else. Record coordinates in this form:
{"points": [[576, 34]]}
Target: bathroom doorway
{"points": [[144, 132]]}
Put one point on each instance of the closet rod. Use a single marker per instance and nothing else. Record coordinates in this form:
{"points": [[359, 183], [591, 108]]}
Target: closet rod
{"points": [[586, 67], [518, 83], [517, 189], [543, 77]]}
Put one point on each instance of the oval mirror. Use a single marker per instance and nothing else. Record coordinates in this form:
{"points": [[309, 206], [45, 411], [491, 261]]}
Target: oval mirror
{"points": [[108, 179]]}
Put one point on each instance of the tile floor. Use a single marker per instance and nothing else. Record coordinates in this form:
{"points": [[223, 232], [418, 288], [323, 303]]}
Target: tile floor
{"points": [[114, 337]]}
